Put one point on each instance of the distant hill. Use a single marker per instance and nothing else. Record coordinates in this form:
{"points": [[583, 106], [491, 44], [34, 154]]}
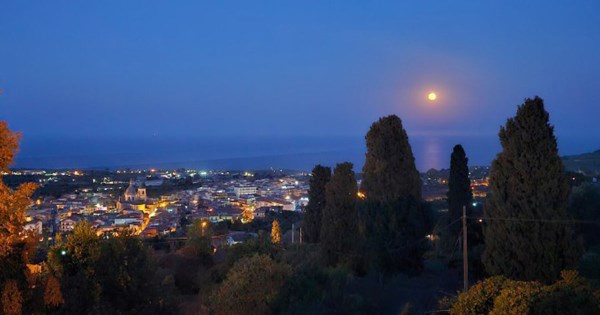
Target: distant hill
{"points": [[587, 163]]}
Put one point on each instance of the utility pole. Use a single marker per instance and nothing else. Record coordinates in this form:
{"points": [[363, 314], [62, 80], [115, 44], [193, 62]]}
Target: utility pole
{"points": [[465, 254], [292, 233]]}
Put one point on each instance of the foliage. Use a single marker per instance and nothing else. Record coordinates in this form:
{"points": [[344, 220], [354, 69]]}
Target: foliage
{"points": [[128, 286], [11, 298], [16, 249], [275, 233], [339, 230], [52, 294], [516, 297], [106, 276], [82, 248], [498, 295], [389, 172], [459, 196], [396, 234], [199, 241], [13, 203], [313, 212], [303, 292], [479, 299], [570, 295], [262, 246], [252, 284], [9, 146], [396, 221], [528, 184]]}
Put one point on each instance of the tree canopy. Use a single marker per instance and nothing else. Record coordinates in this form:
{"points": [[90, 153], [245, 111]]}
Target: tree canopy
{"points": [[528, 191], [339, 230], [389, 172], [313, 212]]}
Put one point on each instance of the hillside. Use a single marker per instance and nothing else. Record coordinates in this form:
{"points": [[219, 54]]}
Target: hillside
{"points": [[586, 163]]}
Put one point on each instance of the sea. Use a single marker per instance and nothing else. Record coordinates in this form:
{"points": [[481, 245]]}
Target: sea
{"points": [[256, 153]]}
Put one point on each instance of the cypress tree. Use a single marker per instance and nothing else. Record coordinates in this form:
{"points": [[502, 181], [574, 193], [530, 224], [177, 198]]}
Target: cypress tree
{"points": [[396, 220], [339, 229], [528, 185], [311, 223], [459, 194], [275, 233], [389, 172]]}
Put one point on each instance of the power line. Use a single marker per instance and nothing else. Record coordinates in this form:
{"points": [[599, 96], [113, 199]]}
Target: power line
{"points": [[536, 220], [420, 240]]}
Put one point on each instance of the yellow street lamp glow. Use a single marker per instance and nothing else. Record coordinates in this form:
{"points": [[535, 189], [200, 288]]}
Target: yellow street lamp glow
{"points": [[432, 96]]}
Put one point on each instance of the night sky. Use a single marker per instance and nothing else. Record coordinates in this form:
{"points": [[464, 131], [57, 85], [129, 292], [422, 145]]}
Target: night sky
{"points": [[131, 70]]}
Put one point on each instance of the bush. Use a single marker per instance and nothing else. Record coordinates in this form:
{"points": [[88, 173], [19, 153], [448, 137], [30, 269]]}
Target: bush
{"points": [[251, 285], [480, 298], [570, 295], [516, 297]]}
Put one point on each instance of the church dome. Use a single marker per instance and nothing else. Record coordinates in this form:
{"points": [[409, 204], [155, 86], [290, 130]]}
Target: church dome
{"points": [[130, 191]]}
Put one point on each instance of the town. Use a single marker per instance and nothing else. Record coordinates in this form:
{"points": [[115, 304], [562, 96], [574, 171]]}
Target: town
{"points": [[155, 203]]}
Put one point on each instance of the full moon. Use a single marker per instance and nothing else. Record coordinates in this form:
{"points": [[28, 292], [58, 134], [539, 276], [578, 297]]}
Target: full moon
{"points": [[432, 96]]}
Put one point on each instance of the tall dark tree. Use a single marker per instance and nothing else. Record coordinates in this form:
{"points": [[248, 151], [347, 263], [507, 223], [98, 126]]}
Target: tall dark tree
{"points": [[396, 219], [459, 194], [339, 229], [311, 224], [524, 237], [389, 172]]}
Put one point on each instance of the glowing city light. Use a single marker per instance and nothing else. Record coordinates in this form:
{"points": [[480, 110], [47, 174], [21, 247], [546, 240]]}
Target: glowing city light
{"points": [[432, 96]]}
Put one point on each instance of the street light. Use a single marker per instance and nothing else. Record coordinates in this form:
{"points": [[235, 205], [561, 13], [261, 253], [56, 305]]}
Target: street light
{"points": [[203, 227]]}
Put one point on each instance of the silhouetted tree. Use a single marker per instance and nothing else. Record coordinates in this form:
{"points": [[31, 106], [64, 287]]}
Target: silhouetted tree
{"points": [[459, 196], [396, 219], [311, 223], [389, 172], [528, 192], [339, 229]]}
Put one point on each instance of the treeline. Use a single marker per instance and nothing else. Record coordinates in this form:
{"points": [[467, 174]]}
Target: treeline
{"points": [[382, 223], [527, 232]]}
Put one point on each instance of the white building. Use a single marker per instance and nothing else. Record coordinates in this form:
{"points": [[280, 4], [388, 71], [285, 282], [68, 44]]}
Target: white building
{"points": [[35, 226], [244, 190]]}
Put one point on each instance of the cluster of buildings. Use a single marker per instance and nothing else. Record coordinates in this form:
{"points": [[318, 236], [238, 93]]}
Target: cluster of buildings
{"points": [[248, 199], [435, 182], [218, 198]]}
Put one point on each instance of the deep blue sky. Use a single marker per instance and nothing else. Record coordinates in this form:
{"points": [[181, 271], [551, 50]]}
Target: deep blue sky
{"points": [[197, 69]]}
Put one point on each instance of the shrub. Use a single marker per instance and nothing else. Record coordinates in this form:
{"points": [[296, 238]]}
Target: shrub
{"points": [[516, 297], [479, 299]]}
